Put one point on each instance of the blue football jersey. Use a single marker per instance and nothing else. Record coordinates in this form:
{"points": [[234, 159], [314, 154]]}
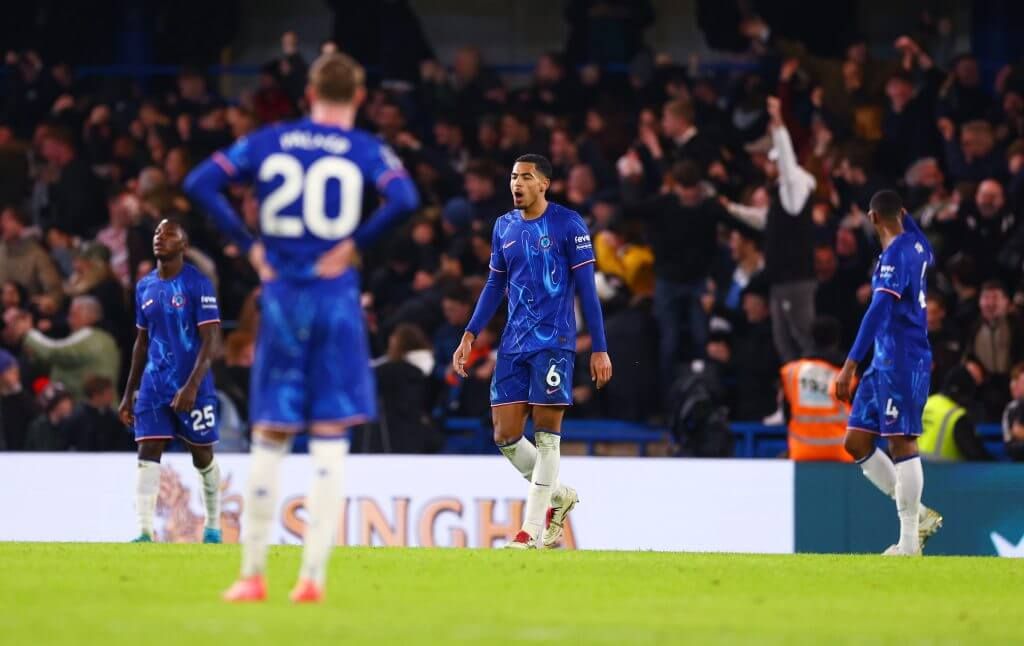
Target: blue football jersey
{"points": [[539, 256], [171, 311], [902, 342], [309, 180]]}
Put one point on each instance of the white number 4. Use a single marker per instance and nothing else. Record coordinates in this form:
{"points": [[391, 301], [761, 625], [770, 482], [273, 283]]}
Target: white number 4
{"points": [[553, 379], [203, 419], [890, 409]]}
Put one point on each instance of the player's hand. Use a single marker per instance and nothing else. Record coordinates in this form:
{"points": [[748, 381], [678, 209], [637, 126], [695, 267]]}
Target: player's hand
{"points": [[337, 260], [844, 382], [461, 355], [185, 399], [600, 368], [258, 260], [125, 412]]}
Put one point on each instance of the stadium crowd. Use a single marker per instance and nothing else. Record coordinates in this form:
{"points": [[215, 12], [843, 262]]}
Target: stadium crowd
{"points": [[673, 167]]}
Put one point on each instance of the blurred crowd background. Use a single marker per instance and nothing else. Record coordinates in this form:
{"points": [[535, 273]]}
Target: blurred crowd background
{"points": [[669, 160]]}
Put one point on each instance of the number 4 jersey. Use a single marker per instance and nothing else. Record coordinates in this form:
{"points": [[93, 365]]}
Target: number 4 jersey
{"points": [[309, 182], [902, 342]]}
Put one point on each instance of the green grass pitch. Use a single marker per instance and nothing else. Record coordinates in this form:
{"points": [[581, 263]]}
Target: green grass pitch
{"points": [[169, 594]]}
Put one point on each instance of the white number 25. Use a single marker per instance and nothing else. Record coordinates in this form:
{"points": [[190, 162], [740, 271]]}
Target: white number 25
{"points": [[203, 419], [312, 185]]}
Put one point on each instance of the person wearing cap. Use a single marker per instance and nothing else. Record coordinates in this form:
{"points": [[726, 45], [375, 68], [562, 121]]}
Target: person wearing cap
{"points": [[87, 351], [49, 431], [17, 406]]}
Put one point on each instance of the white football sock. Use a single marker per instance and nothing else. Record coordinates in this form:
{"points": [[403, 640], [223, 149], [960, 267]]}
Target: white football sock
{"points": [[324, 506], [209, 476], [545, 479], [909, 484], [260, 498], [523, 456], [147, 488], [879, 469]]}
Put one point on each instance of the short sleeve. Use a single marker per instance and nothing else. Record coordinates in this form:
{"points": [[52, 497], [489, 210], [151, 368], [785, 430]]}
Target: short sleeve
{"points": [[893, 276], [497, 262], [384, 166], [140, 317], [578, 247], [207, 310], [236, 160]]}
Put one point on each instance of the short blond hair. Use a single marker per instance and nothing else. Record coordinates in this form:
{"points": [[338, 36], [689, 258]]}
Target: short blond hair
{"points": [[336, 77]]}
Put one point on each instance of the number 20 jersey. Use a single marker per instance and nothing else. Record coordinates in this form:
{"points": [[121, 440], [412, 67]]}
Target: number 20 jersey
{"points": [[902, 342], [310, 181]]}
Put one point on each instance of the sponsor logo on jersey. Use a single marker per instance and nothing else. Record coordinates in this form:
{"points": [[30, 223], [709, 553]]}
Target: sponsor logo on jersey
{"points": [[209, 302], [886, 271], [583, 242]]}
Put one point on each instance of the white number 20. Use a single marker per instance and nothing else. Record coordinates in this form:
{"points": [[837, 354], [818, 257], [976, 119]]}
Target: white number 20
{"points": [[203, 419], [312, 186]]}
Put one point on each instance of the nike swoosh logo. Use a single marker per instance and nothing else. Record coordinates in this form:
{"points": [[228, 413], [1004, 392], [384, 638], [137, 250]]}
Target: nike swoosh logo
{"points": [[552, 391], [508, 244]]}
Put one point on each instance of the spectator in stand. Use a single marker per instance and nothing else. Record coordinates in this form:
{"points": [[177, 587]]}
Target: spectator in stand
{"points": [[457, 304], [94, 425], [50, 431], [997, 340], [755, 361], [124, 210], [961, 97], [76, 203], [23, 259], [985, 227], [621, 254], [682, 228], [93, 276], [406, 426], [975, 156], [482, 204], [14, 168], [908, 133], [1013, 416], [88, 351], [291, 67], [17, 405], [944, 338], [745, 244]]}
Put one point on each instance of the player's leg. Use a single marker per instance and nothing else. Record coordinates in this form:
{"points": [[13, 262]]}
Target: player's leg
{"points": [[209, 478], [341, 392], [200, 430], [154, 428], [547, 428], [328, 448], [905, 396], [147, 485], [269, 446]]}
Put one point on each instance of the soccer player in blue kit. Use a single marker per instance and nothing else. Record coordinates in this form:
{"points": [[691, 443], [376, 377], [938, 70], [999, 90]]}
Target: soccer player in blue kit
{"points": [[312, 354], [542, 258], [170, 389], [891, 395]]}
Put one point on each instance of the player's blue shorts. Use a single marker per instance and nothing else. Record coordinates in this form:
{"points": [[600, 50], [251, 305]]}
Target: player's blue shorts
{"points": [[543, 378], [312, 356], [199, 427], [888, 402]]}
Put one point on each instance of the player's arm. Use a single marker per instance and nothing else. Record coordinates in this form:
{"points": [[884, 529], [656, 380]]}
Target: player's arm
{"points": [[139, 353], [205, 186], [586, 290], [185, 399], [878, 314], [486, 306]]}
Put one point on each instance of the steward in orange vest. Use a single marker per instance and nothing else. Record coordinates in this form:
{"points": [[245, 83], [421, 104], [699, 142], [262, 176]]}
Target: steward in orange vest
{"points": [[816, 419]]}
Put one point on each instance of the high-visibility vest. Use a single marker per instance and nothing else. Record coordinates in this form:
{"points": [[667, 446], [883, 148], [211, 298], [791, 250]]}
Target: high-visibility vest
{"points": [[817, 424], [940, 417]]}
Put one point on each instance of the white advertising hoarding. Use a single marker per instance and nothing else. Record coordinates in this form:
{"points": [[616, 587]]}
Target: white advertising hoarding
{"points": [[626, 503]]}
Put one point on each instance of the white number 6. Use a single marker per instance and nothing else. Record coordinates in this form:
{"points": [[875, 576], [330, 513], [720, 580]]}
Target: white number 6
{"points": [[553, 379]]}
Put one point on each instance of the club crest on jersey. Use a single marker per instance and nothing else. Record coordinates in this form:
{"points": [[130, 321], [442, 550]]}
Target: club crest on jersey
{"points": [[178, 300], [545, 242]]}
